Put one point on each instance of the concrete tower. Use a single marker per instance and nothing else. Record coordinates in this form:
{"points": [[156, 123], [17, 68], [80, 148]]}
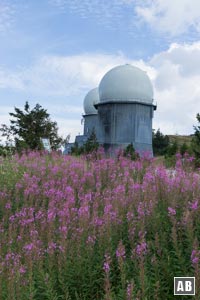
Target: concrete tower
{"points": [[125, 109], [91, 113]]}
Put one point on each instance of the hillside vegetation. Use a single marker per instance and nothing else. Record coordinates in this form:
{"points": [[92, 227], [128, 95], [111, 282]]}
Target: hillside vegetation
{"points": [[181, 139], [85, 228]]}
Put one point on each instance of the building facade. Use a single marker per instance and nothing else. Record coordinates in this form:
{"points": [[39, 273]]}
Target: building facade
{"points": [[120, 110]]}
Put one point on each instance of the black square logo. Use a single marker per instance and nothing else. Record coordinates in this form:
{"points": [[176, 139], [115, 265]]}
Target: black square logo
{"points": [[184, 285]]}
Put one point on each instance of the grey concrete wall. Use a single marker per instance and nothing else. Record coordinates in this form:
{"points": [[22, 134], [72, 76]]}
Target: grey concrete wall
{"points": [[80, 140], [143, 124], [123, 123], [90, 123]]}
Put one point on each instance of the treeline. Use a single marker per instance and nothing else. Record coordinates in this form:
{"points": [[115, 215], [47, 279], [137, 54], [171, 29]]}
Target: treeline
{"points": [[163, 146], [29, 126]]}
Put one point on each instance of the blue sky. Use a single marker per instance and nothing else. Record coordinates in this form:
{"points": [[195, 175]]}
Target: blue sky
{"points": [[53, 51]]}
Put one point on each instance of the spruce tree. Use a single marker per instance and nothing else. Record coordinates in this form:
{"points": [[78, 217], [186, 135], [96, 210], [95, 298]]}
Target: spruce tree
{"points": [[29, 126], [160, 143], [196, 141]]}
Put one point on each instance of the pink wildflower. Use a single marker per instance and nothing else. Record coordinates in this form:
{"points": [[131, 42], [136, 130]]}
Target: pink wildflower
{"points": [[91, 240], [29, 247], [98, 221], [61, 249], [107, 208], [51, 247], [63, 229], [106, 265], [120, 252], [195, 257], [8, 205], [171, 211], [141, 248], [140, 210], [129, 215], [19, 238], [12, 218], [194, 205], [22, 270], [129, 291], [33, 233]]}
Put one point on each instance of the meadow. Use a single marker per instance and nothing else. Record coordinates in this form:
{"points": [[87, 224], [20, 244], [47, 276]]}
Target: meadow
{"points": [[97, 228]]}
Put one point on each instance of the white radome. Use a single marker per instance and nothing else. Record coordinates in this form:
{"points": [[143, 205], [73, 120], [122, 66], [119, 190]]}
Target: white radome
{"points": [[90, 100], [126, 83]]}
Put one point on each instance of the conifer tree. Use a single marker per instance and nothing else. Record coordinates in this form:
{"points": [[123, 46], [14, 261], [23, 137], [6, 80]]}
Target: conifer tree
{"points": [[160, 143], [196, 141], [29, 126]]}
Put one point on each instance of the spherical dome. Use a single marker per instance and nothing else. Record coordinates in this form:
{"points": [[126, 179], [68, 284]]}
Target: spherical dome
{"points": [[126, 83], [91, 98]]}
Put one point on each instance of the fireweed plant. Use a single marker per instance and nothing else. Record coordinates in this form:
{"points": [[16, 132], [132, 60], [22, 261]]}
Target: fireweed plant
{"points": [[97, 228]]}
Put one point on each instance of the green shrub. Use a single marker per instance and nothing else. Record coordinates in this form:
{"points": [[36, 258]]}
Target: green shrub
{"points": [[130, 152]]}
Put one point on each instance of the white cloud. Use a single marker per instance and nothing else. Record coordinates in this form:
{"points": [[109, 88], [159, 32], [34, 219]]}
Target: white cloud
{"points": [[4, 119], [175, 74], [72, 127], [110, 14], [186, 57], [170, 16], [61, 75], [177, 88], [6, 16], [70, 77], [65, 109], [9, 79], [56, 75], [71, 123]]}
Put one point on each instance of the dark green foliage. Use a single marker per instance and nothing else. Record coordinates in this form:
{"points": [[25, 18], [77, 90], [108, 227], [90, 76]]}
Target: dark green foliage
{"points": [[160, 143], [76, 150], [130, 152], [172, 149], [6, 150], [29, 126], [170, 156], [184, 148], [196, 141], [90, 146]]}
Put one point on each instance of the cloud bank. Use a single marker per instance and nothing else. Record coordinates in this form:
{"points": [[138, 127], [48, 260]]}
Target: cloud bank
{"points": [[106, 13], [175, 74], [7, 12], [174, 17]]}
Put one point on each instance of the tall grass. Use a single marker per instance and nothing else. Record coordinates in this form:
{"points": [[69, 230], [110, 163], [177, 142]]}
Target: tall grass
{"points": [[96, 228]]}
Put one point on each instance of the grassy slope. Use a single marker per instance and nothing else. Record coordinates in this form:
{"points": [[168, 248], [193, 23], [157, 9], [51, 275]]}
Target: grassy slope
{"points": [[181, 139]]}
